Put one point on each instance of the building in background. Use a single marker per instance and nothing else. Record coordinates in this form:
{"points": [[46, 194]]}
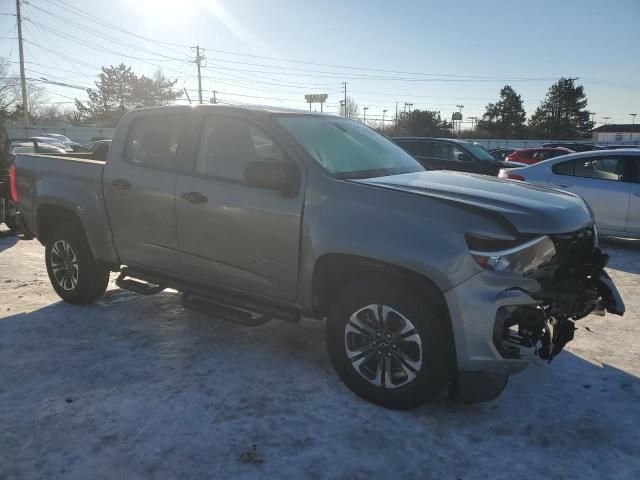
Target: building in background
{"points": [[617, 133]]}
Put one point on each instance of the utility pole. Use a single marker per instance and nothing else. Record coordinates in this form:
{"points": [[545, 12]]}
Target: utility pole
{"points": [[604, 128], [473, 123], [396, 113], [199, 59], [187, 94], [23, 81], [383, 114], [633, 124], [365, 114], [344, 84]]}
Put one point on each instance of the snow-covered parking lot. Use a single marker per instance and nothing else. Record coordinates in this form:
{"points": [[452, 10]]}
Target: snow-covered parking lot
{"points": [[135, 387]]}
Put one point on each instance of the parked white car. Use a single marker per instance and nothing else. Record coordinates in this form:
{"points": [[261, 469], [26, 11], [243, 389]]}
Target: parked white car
{"points": [[608, 180]]}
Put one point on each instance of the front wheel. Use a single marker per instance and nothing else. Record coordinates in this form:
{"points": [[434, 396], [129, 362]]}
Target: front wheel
{"points": [[74, 273], [390, 343]]}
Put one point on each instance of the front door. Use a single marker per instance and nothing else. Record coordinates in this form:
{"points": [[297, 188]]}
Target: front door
{"points": [[633, 221], [230, 234], [139, 187], [602, 183]]}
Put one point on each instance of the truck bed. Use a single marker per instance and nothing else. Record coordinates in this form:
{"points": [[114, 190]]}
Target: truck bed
{"points": [[67, 182]]}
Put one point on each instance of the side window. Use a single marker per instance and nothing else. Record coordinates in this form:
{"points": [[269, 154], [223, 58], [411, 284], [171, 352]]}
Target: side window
{"points": [[417, 149], [228, 144], [600, 168], [563, 168], [446, 151], [153, 141]]}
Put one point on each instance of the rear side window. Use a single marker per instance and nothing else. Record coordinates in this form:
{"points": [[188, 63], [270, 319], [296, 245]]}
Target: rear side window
{"points": [[418, 149], [153, 141], [228, 144], [564, 168]]}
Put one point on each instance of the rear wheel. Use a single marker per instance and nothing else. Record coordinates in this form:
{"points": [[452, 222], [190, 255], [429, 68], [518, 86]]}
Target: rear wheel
{"points": [[74, 273], [390, 344]]}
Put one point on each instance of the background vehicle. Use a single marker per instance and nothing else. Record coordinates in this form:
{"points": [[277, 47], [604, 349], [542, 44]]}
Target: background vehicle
{"points": [[7, 208], [449, 154], [574, 146], [58, 137], [427, 279], [530, 156], [501, 153], [99, 148], [609, 180], [67, 142]]}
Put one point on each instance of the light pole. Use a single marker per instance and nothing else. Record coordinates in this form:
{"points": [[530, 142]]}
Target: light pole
{"points": [[365, 114], [633, 123], [604, 128], [383, 114]]}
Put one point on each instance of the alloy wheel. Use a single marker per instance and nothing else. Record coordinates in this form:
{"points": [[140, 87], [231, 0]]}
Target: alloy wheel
{"points": [[64, 265], [383, 346]]}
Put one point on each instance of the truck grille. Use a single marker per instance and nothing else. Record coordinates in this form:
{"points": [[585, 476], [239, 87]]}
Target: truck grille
{"points": [[573, 246]]}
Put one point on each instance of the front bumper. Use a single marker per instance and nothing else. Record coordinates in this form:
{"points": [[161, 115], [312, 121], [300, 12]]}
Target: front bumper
{"points": [[503, 322]]}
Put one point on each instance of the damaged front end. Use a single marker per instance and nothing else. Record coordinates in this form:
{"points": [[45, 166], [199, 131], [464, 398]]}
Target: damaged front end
{"points": [[572, 284]]}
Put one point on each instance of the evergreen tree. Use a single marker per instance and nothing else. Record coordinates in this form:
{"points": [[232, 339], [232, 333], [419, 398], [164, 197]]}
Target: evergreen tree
{"points": [[563, 114], [505, 118]]}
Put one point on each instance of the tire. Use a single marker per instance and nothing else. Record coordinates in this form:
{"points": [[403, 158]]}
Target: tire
{"points": [[11, 224], [420, 366], [74, 273]]}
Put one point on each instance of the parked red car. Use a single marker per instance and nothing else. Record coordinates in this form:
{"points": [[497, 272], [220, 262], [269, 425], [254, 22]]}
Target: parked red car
{"points": [[535, 155]]}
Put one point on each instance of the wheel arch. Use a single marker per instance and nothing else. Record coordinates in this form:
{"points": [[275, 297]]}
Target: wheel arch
{"points": [[335, 271]]}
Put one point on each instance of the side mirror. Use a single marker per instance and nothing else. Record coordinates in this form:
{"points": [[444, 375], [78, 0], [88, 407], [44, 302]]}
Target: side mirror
{"points": [[272, 175], [463, 157]]}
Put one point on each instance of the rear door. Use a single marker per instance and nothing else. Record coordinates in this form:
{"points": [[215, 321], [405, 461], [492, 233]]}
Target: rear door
{"points": [[231, 234], [602, 182], [633, 221], [139, 187]]}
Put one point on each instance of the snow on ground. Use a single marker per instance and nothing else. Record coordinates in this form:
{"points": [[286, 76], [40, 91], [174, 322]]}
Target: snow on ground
{"points": [[136, 387]]}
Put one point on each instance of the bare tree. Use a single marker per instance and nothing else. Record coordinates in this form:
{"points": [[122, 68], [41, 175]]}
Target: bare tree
{"points": [[73, 116], [352, 109], [9, 89]]}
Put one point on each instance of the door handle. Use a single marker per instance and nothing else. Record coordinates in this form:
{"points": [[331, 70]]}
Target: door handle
{"points": [[562, 185], [637, 194], [194, 197], [121, 184]]}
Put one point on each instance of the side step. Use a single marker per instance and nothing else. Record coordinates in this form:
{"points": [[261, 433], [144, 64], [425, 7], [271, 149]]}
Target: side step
{"points": [[226, 312], [143, 288]]}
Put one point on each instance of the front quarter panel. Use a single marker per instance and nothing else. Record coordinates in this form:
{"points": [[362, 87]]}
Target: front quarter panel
{"points": [[420, 234]]}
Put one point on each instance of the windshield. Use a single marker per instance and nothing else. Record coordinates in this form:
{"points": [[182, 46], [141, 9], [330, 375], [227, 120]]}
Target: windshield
{"points": [[478, 152], [348, 149]]}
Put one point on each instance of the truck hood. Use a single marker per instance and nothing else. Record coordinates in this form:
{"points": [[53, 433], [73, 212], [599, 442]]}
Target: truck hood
{"points": [[529, 208]]}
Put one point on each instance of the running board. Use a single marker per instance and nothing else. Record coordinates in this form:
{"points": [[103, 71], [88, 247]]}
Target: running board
{"points": [[224, 311], [137, 286]]}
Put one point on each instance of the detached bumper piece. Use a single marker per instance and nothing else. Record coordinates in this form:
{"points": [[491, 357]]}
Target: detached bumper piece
{"points": [[575, 286]]}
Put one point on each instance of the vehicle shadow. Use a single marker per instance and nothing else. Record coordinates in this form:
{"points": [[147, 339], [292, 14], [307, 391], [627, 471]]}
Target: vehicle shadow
{"points": [[7, 239], [624, 253], [145, 371]]}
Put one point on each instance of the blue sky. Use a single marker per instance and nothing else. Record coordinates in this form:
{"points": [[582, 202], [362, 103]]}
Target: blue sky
{"points": [[459, 52]]}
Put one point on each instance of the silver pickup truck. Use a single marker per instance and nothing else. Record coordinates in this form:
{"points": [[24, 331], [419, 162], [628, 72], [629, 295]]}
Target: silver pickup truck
{"points": [[426, 280]]}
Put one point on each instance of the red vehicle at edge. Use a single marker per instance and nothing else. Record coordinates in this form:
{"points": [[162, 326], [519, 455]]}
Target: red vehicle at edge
{"points": [[535, 155]]}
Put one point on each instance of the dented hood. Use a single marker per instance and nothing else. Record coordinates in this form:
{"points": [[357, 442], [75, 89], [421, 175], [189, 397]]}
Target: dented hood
{"points": [[530, 209]]}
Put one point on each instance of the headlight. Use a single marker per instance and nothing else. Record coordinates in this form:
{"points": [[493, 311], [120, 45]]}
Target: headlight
{"points": [[519, 259]]}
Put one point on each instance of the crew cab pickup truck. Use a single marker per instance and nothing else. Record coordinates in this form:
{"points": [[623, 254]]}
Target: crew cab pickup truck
{"points": [[426, 279]]}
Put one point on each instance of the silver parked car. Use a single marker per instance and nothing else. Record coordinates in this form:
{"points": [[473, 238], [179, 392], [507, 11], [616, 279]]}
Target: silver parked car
{"points": [[608, 180]]}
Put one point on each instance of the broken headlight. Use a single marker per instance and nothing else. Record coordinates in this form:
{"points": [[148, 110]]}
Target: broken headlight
{"points": [[503, 256]]}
